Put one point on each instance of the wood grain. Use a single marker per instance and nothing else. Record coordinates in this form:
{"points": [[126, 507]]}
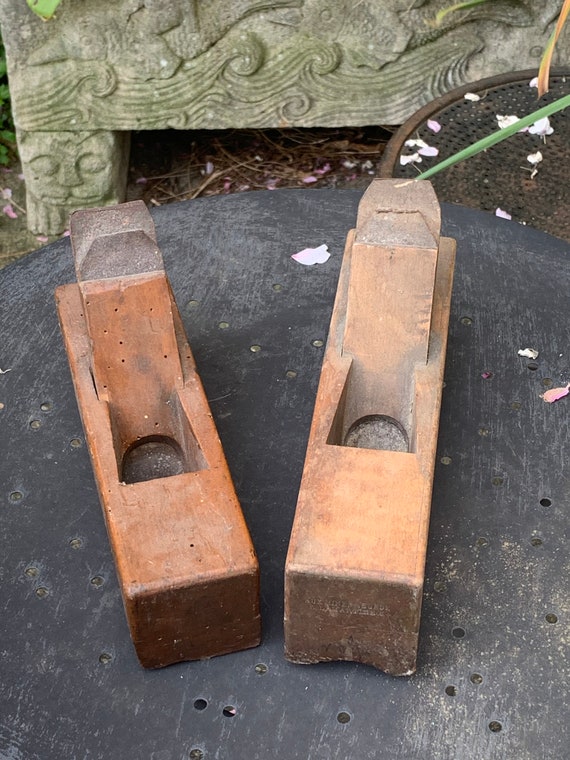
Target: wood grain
{"points": [[355, 566]]}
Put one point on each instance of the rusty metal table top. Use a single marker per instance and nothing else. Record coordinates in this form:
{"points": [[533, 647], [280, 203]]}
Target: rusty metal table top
{"points": [[493, 664]]}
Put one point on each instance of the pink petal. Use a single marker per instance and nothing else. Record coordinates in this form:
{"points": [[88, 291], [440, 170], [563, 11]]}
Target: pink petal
{"points": [[66, 233], [209, 168], [326, 168], [310, 256], [9, 211], [6, 193], [555, 393], [472, 96], [528, 353], [434, 125], [506, 121], [533, 82], [486, 375], [415, 158], [141, 181], [428, 151], [541, 127], [308, 180], [502, 214], [42, 238]]}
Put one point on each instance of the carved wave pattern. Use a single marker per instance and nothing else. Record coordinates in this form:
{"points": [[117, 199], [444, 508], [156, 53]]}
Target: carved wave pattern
{"points": [[239, 83]]}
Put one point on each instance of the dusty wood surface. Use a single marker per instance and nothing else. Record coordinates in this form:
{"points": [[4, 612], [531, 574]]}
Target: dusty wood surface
{"points": [[355, 567], [185, 561]]}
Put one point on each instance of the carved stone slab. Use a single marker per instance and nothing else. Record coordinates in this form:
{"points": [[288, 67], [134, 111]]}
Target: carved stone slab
{"points": [[355, 566], [185, 561], [102, 67]]}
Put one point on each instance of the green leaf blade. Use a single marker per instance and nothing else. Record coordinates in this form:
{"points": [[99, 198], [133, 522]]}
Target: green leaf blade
{"points": [[44, 8]]}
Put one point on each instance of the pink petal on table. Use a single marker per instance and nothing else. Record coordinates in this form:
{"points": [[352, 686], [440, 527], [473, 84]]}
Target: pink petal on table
{"points": [[434, 125], [323, 170], [310, 256], [42, 238], [472, 96], [534, 158], [541, 127], [308, 180], [415, 158], [528, 353], [429, 150], [6, 193], [502, 214], [555, 393], [415, 143], [486, 375], [66, 233], [533, 82], [506, 121], [9, 211]]}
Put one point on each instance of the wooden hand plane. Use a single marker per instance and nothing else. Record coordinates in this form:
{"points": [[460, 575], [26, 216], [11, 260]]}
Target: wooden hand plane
{"points": [[355, 566], [184, 558]]}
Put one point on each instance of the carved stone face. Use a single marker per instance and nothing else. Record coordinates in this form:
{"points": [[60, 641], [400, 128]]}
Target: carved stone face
{"points": [[69, 170]]}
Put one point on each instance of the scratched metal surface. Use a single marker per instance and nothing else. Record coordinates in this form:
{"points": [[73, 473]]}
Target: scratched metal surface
{"points": [[493, 664]]}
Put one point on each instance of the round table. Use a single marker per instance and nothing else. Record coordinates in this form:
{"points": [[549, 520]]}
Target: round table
{"points": [[493, 676]]}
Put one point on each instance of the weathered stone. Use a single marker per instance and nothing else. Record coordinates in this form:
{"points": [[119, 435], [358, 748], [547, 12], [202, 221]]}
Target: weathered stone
{"points": [[66, 171], [117, 65]]}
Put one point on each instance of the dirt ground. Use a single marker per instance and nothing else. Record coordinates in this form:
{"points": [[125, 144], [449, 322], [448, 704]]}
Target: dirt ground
{"points": [[169, 166]]}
